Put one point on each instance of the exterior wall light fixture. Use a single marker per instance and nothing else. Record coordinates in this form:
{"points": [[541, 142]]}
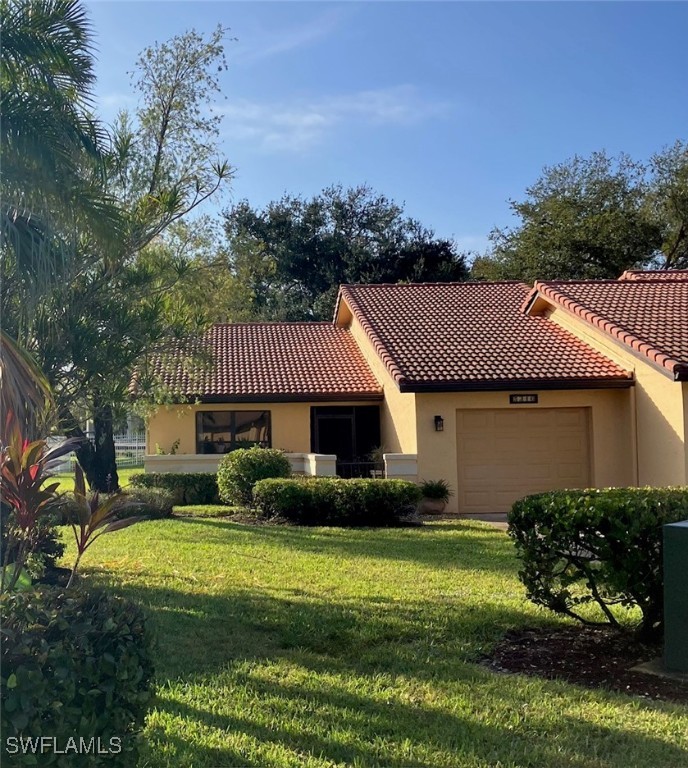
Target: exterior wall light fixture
{"points": [[439, 424]]}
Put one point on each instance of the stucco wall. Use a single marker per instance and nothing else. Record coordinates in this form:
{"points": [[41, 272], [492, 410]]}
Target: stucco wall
{"points": [[660, 416], [398, 411], [611, 450], [290, 424]]}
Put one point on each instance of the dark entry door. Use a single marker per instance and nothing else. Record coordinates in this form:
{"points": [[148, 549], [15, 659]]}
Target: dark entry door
{"points": [[335, 435], [351, 433]]}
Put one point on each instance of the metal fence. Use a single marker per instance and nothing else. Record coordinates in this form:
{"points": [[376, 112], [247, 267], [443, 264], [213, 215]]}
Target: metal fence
{"points": [[369, 469], [129, 451]]}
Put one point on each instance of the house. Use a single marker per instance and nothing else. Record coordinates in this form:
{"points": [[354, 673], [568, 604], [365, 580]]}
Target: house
{"points": [[502, 389]]}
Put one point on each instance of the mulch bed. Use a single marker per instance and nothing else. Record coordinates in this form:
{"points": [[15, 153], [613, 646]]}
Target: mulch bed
{"points": [[589, 656]]}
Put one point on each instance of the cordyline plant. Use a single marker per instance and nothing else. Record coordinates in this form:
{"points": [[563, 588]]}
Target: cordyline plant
{"points": [[25, 467], [96, 516]]}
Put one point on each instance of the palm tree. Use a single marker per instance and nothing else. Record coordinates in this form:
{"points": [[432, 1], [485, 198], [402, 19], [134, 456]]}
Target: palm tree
{"points": [[51, 169]]}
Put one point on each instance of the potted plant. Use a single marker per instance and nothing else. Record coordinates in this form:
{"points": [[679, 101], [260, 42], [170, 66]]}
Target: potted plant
{"points": [[436, 494]]}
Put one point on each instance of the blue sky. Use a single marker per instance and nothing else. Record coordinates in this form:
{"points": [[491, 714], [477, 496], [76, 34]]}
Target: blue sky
{"points": [[451, 107]]}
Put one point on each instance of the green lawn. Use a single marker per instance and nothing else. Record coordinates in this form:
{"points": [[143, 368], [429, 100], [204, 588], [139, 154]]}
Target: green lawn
{"points": [[283, 646]]}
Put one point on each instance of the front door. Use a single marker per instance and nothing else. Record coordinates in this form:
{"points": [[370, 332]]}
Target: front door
{"points": [[334, 434], [351, 433]]}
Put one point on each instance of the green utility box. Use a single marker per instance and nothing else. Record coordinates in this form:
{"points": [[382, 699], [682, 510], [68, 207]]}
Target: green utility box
{"points": [[676, 597]]}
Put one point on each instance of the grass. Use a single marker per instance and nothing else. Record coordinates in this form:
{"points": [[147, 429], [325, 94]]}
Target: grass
{"points": [[282, 646], [66, 479]]}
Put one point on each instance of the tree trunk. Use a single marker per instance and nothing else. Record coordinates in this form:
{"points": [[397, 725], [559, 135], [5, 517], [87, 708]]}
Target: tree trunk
{"points": [[96, 457], [105, 473]]}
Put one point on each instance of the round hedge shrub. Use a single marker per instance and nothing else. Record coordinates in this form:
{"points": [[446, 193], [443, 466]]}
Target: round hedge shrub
{"points": [[600, 548], [74, 665], [240, 470]]}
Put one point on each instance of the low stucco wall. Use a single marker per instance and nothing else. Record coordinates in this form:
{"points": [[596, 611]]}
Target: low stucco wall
{"points": [[612, 455], [315, 464]]}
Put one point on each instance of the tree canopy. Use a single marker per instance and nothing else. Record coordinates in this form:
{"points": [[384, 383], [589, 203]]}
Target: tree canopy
{"points": [[92, 325], [594, 217], [293, 255]]}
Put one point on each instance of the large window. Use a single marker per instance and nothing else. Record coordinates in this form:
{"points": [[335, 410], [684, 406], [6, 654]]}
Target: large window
{"points": [[223, 431]]}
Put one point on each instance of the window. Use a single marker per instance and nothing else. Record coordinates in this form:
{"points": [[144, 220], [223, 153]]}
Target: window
{"points": [[224, 431]]}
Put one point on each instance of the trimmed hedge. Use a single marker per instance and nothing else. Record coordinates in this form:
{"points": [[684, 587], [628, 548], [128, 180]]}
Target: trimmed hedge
{"points": [[74, 665], [601, 547], [240, 470], [186, 487], [333, 501]]}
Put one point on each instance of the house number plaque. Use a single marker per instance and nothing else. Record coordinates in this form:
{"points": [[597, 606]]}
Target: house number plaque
{"points": [[521, 399]]}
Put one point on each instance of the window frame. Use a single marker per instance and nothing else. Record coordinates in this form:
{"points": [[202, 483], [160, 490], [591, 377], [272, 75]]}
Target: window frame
{"points": [[233, 445]]}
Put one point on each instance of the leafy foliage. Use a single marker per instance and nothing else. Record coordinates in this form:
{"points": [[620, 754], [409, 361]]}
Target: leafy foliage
{"points": [[240, 470], [583, 218], [594, 217], [599, 547], [90, 328], [436, 489], [149, 503], [186, 488], [46, 546], [333, 501], [24, 471], [51, 148], [74, 665], [152, 503], [294, 254], [96, 515]]}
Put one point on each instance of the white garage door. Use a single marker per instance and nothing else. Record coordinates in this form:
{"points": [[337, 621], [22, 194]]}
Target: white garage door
{"points": [[505, 454]]}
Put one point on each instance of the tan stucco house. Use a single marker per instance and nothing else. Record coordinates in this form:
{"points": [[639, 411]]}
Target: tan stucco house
{"points": [[501, 389]]}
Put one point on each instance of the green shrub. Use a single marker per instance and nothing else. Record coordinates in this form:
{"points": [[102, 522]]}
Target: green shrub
{"points": [[73, 665], [240, 470], [46, 547], [333, 501], [185, 487], [600, 547], [153, 503], [437, 490]]}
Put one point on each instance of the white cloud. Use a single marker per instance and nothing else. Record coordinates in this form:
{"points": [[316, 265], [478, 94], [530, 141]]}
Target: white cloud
{"points": [[262, 44], [299, 125]]}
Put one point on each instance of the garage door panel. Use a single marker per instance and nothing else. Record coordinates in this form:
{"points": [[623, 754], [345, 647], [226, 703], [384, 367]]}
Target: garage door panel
{"points": [[506, 419], [505, 454], [569, 417], [476, 419]]}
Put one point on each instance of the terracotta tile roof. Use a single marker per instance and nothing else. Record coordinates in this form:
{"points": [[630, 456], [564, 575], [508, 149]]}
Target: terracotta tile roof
{"points": [[649, 316], [256, 362], [655, 274], [471, 336]]}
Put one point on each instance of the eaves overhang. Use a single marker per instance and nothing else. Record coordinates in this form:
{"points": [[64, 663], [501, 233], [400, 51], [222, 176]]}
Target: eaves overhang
{"points": [[510, 385]]}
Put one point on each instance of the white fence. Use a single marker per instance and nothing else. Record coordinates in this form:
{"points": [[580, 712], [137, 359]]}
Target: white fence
{"points": [[129, 451]]}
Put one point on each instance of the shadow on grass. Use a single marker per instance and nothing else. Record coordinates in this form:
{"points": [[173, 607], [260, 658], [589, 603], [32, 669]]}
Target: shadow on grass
{"points": [[340, 663], [381, 724], [366, 680], [489, 548]]}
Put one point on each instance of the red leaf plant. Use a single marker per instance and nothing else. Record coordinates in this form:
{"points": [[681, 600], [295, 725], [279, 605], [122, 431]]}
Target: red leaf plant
{"points": [[25, 467]]}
